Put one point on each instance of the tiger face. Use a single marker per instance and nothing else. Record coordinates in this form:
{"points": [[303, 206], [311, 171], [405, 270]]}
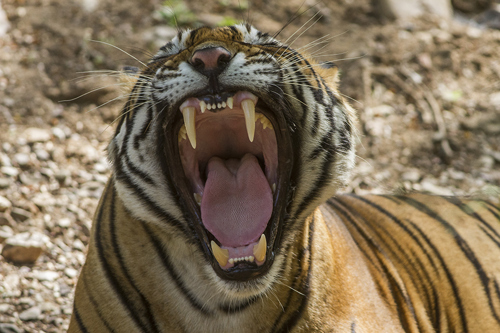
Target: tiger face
{"points": [[228, 141]]}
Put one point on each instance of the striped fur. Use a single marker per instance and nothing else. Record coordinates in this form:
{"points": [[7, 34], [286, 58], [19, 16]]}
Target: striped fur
{"points": [[355, 264]]}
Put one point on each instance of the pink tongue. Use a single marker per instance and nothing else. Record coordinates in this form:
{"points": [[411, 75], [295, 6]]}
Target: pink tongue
{"points": [[237, 201]]}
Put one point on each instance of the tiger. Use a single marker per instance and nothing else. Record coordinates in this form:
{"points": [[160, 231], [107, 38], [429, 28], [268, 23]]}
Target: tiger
{"points": [[222, 213]]}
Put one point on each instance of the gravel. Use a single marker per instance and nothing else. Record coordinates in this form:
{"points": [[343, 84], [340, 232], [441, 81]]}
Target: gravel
{"points": [[53, 167]]}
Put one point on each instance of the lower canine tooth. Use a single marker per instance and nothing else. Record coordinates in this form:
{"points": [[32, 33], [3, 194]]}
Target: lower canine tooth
{"points": [[197, 197], [248, 107], [221, 255], [259, 250]]}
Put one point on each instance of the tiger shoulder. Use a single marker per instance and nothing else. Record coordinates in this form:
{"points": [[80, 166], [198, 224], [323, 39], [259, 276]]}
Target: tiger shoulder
{"points": [[221, 214]]}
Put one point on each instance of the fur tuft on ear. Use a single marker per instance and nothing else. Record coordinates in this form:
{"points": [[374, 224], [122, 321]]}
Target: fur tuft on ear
{"points": [[128, 78], [330, 72]]}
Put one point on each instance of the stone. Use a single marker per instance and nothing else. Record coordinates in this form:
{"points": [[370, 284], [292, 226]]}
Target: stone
{"points": [[42, 155], [50, 307], [495, 100], [4, 22], [4, 204], [5, 183], [435, 189], [24, 248], [10, 171], [19, 214], [27, 301], [78, 245], [43, 200], [411, 175], [64, 289], [5, 233], [5, 160], [64, 222], [6, 219], [22, 159], [58, 133], [403, 10], [5, 308], [9, 328], [33, 313], [89, 5], [34, 134], [70, 272], [45, 275], [62, 175]]}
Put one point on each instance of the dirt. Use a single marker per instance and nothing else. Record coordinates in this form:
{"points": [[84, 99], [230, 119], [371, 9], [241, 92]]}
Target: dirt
{"points": [[427, 93]]}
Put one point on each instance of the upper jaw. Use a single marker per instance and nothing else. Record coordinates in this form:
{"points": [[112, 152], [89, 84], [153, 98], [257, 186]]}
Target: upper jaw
{"points": [[183, 139]]}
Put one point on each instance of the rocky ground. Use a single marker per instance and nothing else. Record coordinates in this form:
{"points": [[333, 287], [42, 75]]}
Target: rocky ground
{"points": [[427, 92]]}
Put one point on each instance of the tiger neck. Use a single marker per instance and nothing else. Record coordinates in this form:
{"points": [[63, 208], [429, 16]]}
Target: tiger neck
{"points": [[321, 269]]}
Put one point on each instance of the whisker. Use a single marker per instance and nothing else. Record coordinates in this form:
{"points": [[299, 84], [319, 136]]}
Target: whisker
{"points": [[116, 47]]}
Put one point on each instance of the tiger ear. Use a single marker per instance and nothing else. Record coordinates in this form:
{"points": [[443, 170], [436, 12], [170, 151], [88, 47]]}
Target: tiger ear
{"points": [[128, 78], [330, 72]]}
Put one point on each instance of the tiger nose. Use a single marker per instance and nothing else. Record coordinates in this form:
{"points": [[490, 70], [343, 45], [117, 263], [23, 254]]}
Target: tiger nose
{"points": [[211, 58]]}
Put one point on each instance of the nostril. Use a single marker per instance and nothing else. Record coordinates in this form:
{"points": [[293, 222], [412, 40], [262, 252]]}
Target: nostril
{"points": [[211, 58], [198, 63]]}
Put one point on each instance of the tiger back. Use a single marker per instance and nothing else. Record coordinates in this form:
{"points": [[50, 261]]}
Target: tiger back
{"points": [[216, 216]]}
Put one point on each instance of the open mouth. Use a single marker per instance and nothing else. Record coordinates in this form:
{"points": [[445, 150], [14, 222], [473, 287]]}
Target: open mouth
{"points": [[232, 178]]}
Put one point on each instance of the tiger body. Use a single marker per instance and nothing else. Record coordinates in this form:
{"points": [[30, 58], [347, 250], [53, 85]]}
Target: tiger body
{"points": [[351, 264]]}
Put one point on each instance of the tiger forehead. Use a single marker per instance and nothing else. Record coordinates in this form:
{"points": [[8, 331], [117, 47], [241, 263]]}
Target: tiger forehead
{"points": [[228, 37], [205, 35]]}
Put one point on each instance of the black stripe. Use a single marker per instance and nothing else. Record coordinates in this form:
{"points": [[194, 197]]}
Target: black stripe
{"points": [[321, 181], [145, 128], [467, 210], [391, 280], [79, 321], [324, 146], [136, 171], [112, 280], [95, 304], [289, 325], [116, 249], [175, 277], [315, 125], [418, 275], [483, 277], [435, 250], [490, 236], [353, 327], [142, 195]]}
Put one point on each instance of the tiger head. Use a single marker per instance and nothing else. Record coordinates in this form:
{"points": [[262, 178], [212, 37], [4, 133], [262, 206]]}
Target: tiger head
{"points": [[228, 141]]}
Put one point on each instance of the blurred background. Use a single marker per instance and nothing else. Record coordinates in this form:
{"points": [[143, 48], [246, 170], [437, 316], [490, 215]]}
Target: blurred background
{"points": [[424, 78]]}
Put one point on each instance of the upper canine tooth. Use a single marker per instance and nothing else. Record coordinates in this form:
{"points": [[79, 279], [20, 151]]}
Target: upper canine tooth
{"points": [[259, 250], [189, 114], [230, 102], [248, 107], [203, 106], [221, 255]]}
